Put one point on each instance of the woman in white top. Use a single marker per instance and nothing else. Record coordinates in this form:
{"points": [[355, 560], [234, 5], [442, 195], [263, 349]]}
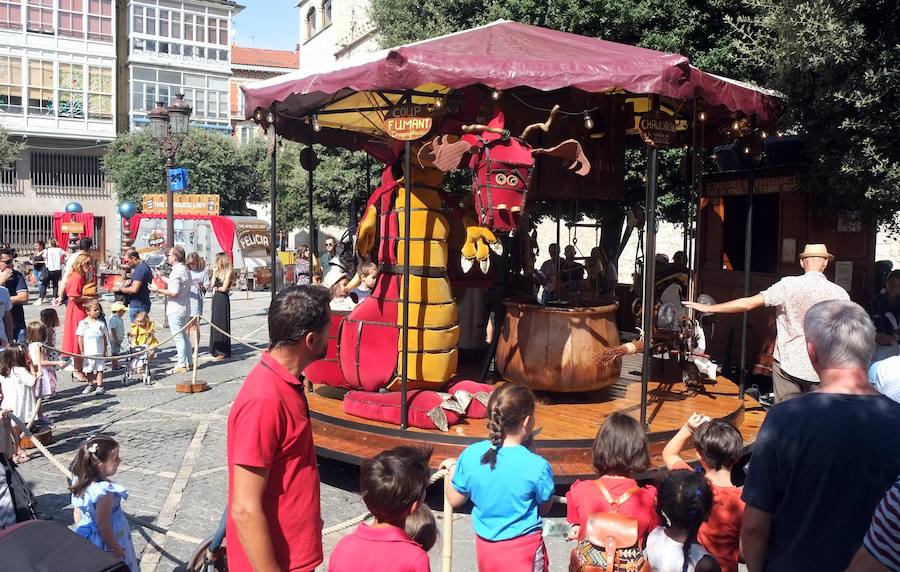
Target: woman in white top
{"points": [[684, 501], [199, 284]]}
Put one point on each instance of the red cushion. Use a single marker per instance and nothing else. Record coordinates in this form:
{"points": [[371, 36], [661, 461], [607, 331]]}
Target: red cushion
{"points": [[327, 370], [476, 409], [369, 338], [385, 407]]}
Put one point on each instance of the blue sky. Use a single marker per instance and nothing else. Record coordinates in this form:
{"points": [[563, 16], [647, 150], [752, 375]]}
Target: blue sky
{"points": [[271, 24]]}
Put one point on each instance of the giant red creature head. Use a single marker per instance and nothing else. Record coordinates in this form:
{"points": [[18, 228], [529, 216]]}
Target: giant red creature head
{"points": [[502, 166]]}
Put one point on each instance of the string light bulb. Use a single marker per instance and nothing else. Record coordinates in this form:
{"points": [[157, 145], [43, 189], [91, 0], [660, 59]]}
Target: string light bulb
{"points": [[315, 123], [746, 150], [702, 116], [438, 102], [270, 118], [735, 126], [495, 95], [763, 135], [588, 122]]}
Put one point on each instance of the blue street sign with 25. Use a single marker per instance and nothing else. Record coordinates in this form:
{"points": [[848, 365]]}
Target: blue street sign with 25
{"points": [[178, 179]]}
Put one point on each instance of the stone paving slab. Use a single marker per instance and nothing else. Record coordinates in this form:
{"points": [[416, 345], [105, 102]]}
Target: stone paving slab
{"points": [[156, 426]]}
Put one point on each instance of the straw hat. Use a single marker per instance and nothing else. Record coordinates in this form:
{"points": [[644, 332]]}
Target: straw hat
{"points": [[818, 250], [118, 307]]}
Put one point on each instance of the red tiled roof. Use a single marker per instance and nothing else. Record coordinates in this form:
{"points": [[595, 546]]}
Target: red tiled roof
{"points": [[264, 58]]}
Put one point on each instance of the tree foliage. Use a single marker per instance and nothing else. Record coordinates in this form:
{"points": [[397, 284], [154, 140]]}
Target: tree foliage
{"points": [[215, 164], [9, 150], [338, 179], [838, 63], [697, 29]]}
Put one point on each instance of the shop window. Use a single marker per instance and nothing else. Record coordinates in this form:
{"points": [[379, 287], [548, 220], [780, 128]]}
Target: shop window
{"points": [[10, 85], [40, 16], [764, 246], [310, 23], [71, 18], [71, 91], [40, 88], [11, 15]]}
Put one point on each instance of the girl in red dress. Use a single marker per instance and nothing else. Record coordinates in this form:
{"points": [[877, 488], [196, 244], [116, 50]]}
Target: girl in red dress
{"points": [[82, 274]]}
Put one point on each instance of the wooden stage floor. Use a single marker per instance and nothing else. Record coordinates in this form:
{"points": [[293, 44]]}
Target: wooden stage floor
{"points": [[568, 422]]}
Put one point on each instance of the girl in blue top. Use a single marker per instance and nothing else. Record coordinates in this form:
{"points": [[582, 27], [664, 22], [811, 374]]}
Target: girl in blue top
{"points": [[509, 486], [98, 514]]}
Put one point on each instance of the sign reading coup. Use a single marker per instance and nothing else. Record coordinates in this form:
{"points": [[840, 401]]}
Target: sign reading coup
{"points": [[408, 121]]}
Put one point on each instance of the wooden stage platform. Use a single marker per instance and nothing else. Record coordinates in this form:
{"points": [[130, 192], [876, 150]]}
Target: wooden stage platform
{"points": [[568, 422]]}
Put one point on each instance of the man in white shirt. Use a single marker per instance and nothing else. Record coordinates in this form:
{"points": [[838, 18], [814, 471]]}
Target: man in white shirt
{"points": [[53, 258], [792, 296], [178, 307]]}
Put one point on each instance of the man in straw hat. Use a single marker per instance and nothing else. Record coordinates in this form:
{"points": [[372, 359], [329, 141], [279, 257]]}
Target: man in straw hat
{"points": [[792, 296]]}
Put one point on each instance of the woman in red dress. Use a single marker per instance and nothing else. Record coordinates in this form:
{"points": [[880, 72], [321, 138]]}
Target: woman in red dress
{"points": [[82, 274]]}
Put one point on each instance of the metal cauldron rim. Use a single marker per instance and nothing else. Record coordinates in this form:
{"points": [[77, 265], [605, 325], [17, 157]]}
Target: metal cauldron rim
{"points": [[593, 310]]}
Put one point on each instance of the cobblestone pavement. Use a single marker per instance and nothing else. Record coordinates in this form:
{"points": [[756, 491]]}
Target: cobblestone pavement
{"points": [[173, 452]]}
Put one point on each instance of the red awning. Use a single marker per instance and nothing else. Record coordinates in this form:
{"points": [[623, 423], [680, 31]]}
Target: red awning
{"points": [[505, 55]]}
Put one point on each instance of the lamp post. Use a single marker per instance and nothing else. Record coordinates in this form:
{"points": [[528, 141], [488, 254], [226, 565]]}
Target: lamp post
{"points": [[168, 125]]}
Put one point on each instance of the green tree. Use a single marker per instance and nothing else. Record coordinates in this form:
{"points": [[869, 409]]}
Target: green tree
{"points": [[838, 63], [697, 29], [9, 150], [338, 179], [134, 162]]}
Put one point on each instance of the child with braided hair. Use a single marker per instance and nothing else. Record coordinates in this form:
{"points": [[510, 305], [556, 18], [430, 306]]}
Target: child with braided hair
{"points": [[509, 486], [684, 502]]}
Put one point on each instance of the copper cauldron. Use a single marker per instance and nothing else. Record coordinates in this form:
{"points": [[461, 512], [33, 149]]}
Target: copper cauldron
{"points": [[555, 348]]}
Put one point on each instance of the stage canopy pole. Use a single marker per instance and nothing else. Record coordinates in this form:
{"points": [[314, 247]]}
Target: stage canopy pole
{"points": [[407, 227], [273, 200], [310, 185], [748, 248], [649, 274]]}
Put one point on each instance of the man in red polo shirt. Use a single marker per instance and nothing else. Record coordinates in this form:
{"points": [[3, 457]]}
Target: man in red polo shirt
{"points": [[274, 521]]}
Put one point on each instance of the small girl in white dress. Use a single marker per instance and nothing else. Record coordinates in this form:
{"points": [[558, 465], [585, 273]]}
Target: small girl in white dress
{"points": [[17, 388], [93, 340]]}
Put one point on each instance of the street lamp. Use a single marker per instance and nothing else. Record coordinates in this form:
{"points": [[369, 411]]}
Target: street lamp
{"points": [[168, 125]]}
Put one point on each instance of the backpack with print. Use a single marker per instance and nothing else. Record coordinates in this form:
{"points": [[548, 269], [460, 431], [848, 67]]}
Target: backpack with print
{"points": [[611, 541], [17, 503]]}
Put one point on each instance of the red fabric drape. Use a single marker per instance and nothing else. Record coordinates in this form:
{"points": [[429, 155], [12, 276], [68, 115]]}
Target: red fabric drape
{"points": [[87, 219], [223, 228]]}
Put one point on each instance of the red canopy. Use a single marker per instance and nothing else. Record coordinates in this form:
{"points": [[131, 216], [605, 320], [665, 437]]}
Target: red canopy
{"points": [[505, 55]]}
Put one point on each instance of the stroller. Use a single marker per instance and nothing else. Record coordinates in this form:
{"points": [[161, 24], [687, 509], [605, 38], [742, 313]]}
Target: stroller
{"points": [[139, 366]]}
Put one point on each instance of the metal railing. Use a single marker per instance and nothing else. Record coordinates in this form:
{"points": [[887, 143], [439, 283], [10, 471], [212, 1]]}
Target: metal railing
{"points": [[79, 175], [21, 231]]}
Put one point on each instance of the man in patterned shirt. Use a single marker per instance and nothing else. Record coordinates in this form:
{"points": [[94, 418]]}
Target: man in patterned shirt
{"points": [[792, 296]]}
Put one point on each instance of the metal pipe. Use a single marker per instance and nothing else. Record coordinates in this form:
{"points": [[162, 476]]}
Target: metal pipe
{"points": [[170, 205], [649, 277], [313, 233], [407, 227], [748, 248], [273, 195]]}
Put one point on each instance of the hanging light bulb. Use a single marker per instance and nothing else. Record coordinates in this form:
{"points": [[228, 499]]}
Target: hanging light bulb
{"points": [[746, 150], [763, 135], [495, 95], [315, 123], [588, 122], [702, 116], [438, 102], [736, 125]]}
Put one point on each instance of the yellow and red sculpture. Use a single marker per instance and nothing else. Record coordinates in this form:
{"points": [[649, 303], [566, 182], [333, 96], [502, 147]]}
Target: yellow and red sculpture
{"points": [[368, 354]]}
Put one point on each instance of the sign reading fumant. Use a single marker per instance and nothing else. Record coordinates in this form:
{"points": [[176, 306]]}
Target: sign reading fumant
{"points": [[408, 122]]}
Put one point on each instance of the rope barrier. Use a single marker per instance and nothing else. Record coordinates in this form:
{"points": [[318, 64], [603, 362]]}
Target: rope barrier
{"points": [[128, 355], [247, 343]]}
